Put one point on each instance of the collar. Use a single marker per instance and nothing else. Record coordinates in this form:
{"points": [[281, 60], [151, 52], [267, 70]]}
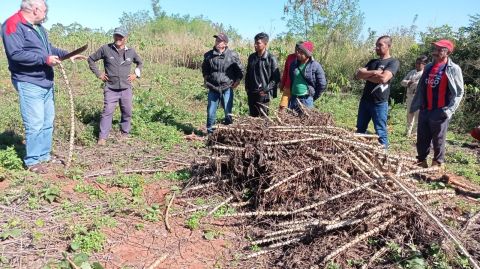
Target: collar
{"points": [[216, 52], [449, 62], [112, 45], [264, 56], [22, 19]]}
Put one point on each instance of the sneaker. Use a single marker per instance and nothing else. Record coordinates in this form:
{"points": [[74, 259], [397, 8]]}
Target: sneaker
{"points": [[56, 160], [435, 163], [123, 137], [38, 168], [422, 164], [101, 142]]}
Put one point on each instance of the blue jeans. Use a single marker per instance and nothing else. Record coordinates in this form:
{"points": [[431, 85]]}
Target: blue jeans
{"points": [[38, 112], [378, 113], [306, 100], [226, 100]]}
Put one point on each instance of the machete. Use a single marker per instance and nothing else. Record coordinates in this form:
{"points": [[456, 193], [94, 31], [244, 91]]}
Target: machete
{"points": [[75, 52]]}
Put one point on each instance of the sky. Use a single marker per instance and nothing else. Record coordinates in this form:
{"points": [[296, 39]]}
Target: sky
{"points": [[249, 17]]}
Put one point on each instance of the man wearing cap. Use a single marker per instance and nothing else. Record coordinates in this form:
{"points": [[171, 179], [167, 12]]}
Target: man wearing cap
{"points": [[31, 59], [117, 61], [410, 81], [378, 74], [262, 77], [222, 72], [438, 95], [308, 80]]}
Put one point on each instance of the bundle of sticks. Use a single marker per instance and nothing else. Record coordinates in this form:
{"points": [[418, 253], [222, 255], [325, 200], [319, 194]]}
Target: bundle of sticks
{"points": [[312, 194]]}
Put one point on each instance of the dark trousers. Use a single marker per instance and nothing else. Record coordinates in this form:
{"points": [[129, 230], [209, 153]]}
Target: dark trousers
{"points": [[256, 102], [432, 130], [110, 100]]}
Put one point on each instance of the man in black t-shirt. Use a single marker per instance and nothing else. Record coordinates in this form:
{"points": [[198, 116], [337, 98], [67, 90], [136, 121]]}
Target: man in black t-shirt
{"points": [[378, 74]]}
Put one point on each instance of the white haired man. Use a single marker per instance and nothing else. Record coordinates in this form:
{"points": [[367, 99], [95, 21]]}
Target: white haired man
{"points": [[31, 59]]}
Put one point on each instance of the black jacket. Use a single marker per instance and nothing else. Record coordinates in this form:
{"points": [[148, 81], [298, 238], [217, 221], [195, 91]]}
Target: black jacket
{"points": [[117, 68], [262, 74], [221, 70]]}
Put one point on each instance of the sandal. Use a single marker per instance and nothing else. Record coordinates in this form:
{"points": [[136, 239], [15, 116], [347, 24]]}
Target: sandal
{"points": [[56, 160]]}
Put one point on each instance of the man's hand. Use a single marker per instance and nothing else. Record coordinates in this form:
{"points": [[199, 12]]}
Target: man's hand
{"points": [[104, 77], [359, 73], [235, 84], [132, 77], [78, 57], [409, 83], [53, 60]]}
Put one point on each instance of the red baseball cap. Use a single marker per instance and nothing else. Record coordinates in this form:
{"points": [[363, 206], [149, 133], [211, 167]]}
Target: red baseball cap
{"points": [[444, 43], [306, 47]]}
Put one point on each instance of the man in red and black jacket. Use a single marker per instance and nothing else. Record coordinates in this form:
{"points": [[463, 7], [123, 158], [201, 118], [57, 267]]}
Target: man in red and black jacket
{"points": [[31, 58], [439, 93]]}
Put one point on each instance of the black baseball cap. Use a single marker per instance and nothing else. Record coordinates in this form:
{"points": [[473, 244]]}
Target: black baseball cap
{"points": [[222, 36]]}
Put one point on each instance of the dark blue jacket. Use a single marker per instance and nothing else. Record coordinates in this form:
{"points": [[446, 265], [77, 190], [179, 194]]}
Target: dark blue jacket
{"points": [[314, 75], [26, 53]]}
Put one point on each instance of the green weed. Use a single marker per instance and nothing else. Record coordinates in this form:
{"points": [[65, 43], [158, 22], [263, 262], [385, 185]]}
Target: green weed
{"points": [[180, 175], [134, 182], [91, 191], [88, 241], [9, 159], [50, 193], [117, 202], [193, 222], [255, 248], [152, 213], [211, 234], [222, 211], [333, 265]]}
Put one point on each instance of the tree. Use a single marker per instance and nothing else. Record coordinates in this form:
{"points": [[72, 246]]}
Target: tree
{"points": [[157, 10], [327, 22], [134, 20], [308, 16], [468, 46]]}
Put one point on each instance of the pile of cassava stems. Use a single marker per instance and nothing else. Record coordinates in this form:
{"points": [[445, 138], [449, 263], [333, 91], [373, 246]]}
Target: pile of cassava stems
{"points": [[311, 194]]}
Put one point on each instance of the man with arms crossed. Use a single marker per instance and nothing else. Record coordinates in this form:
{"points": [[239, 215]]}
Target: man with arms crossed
{"points": [[378, 74]]}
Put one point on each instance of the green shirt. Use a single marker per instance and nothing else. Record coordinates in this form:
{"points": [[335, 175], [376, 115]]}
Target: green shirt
{"points": [[40, 33], [299, 85]]}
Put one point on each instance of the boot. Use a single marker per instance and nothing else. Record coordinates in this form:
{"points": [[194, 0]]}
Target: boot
{"points": [[422, 164], [439, 164]]}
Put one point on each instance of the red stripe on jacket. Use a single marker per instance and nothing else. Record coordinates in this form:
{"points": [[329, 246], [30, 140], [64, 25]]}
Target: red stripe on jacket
{"points": [[13, 21], [442, 90], [440, 87]]}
